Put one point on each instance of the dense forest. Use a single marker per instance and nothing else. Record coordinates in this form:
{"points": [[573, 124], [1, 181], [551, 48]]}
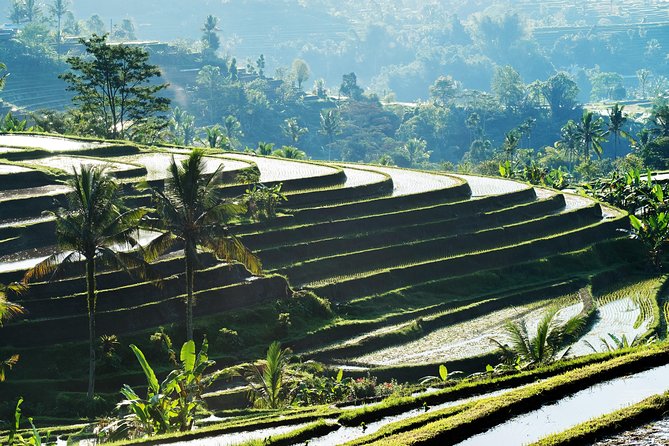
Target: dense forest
{"points": [[484, 72]]}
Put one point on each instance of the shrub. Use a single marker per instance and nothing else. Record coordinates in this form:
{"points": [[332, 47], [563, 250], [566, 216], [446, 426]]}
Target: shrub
{"points": [[229, 338]]}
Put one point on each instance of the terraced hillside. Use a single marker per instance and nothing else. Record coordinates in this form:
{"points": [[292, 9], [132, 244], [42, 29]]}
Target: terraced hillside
{"points": [[399, 254]]}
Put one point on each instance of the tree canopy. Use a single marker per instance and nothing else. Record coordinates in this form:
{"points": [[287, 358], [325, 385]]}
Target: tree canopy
{"points": [[115, 89]]}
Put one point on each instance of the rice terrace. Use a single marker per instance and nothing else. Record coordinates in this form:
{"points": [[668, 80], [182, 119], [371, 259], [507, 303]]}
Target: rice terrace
{"points": [[196, 250]]}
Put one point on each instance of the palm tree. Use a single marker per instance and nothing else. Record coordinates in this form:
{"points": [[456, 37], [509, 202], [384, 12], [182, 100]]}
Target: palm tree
{"points": [[543, 346], [215, 138], [290, 152], [591, 133], [7, 311], [330, 124], [267, 379], [265, 148], [192, 213], [660, 119], [209, 37], [511, 141], [91, 228], [293, 130], [616, 122]]}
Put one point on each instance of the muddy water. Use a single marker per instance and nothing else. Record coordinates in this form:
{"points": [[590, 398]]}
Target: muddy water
{"points": [[593, 402]]}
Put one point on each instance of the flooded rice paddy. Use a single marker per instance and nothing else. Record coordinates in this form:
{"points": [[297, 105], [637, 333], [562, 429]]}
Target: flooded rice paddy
{"points": [[49, 143], [157, 164], [592, 402], [628, 311]]}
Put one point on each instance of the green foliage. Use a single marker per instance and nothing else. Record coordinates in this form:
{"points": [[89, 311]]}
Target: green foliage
{"points": [[164, 340], [210, 37], [14, 438], [108, 354], [443, 377], [215, 138], [262, 201], [3, 75], [290, 152], [315, 389], [267, 379], [182, 127], [193, 213], [293, 130], [301, 72], [92, 227], [542, 347], [349, 87], [170, 405], [11, 124], [114, 89]]}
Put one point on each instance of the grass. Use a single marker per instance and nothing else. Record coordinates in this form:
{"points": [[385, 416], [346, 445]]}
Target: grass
{"points": [[423, 248], [491, 411], [650, 409], [357, 285], [470, 387], [314, 417]]}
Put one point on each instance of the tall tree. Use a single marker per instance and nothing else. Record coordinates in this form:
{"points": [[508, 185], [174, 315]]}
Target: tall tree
{"points": [[32, 10], [510, 145], [114, 88], [570, 141], [301, 72], [330, 124], [182, 127], [94, 223], [660, 119], [444, 90], [17, 12], [643, 75], [560, 92], [508, 87], [592, 134], [233, 130], [210, 37], [193, 214], [349, 87], [58, 9], [616, 122]]}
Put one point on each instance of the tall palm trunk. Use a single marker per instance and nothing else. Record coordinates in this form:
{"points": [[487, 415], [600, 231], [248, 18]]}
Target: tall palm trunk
{"points": [[91, 302], [190, 279]]}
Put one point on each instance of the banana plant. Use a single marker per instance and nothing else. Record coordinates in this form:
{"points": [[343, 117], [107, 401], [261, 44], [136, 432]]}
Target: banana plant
{"points": [[170, 405], [14, 438]]}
